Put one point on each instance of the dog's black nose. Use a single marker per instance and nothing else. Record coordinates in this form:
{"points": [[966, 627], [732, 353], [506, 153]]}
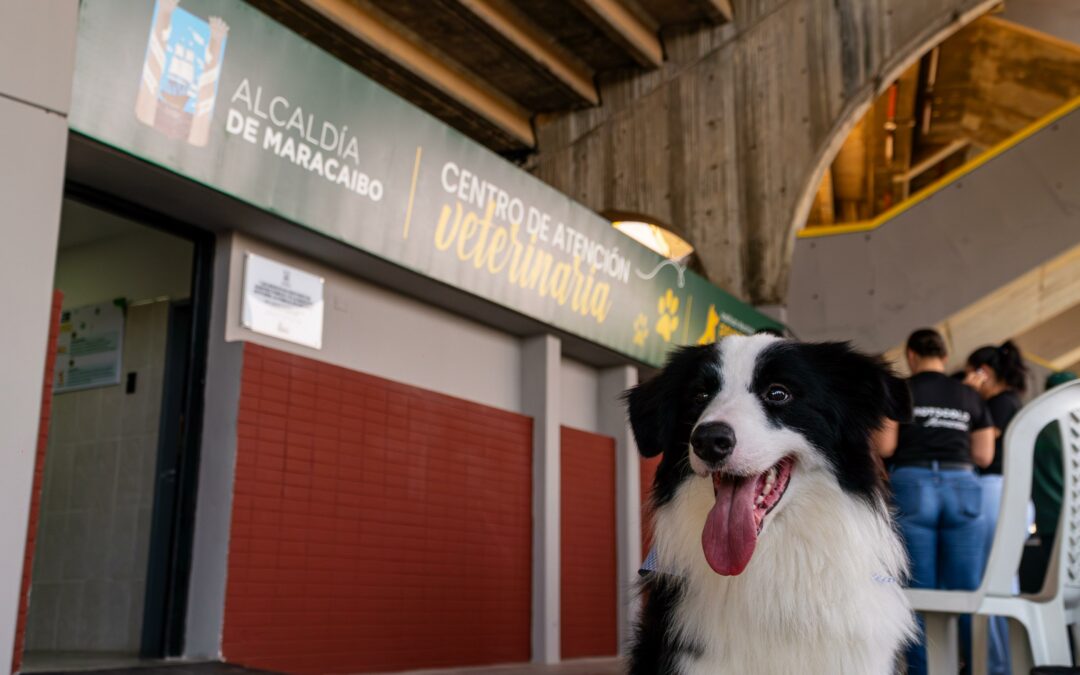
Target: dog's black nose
{"points": [[713, 442]]}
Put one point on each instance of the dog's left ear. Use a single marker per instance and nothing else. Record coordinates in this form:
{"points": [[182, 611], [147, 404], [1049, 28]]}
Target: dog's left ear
{"points": [[653, 406], [646, 408]]}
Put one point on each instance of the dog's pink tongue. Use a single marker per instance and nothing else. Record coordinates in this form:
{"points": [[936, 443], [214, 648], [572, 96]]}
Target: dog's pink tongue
{"points": [[730, 532]]}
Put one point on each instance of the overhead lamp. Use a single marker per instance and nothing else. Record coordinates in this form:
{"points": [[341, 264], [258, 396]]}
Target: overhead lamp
{"points": [[656, 238]]}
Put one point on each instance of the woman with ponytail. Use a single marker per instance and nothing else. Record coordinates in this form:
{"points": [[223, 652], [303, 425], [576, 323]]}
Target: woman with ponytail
{"points": [[1000, 377]]}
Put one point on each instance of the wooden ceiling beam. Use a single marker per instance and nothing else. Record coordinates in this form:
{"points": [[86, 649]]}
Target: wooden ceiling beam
{"points": [[542, 49], [380, 32], [1032, 299], [1057, 339], [638, 39], [719, 11]]}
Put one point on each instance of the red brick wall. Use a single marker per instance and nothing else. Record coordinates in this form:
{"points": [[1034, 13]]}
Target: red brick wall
{"points": [[589, 585], [39, 477], [648, 472], [376, 526]]}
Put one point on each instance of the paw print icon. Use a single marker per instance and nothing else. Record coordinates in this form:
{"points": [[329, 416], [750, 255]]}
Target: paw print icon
{"points": [[641, 329], [668, 307]]}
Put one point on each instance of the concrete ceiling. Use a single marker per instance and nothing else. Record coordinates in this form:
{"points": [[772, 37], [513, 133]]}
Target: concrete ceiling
{"points": [[489, 67]]}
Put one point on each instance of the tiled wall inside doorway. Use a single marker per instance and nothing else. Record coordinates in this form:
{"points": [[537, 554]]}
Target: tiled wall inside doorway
{"points": [[89, 576]]}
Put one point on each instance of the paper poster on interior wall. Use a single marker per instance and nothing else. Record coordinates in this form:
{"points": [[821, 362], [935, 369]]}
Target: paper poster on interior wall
{"points": [[282, 301], [90, 347]]}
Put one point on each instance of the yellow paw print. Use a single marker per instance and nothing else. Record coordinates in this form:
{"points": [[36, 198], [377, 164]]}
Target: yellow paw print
{"points": [[668, 307], [641, 329], [711, 323], [715, 329], [726, 330]]}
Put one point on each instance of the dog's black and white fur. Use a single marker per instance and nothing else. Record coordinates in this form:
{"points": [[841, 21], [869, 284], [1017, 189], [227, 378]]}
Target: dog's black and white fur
{"points": [[820, 593]]}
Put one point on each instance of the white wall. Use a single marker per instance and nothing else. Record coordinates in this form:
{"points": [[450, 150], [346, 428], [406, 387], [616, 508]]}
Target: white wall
{"points": [[135, 262], [579, 386], [37, 48], [376, 331]]}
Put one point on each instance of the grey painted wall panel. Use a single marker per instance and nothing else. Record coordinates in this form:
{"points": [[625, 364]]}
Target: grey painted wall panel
{"points": [[34, 144], [1006, 217], [217, 468], [540, 371], [37, 48], [580, 396]]}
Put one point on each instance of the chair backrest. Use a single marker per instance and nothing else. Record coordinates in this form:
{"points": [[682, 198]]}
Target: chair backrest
{"points": [[1067, 542], [1062, 404]]}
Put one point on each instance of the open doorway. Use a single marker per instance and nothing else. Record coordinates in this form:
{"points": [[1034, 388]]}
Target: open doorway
{"points": [[109, 574]]}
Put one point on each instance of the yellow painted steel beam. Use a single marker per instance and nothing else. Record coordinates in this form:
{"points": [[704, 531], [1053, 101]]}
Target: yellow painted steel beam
{"points": [[375, 30]]}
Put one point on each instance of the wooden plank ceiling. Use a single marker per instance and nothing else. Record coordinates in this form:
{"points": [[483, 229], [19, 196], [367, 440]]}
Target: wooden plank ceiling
{"points": [[488, 67]]}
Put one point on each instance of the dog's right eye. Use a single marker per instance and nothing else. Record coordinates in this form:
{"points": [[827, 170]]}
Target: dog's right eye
{"points": [[702, 396], [777, 393]]}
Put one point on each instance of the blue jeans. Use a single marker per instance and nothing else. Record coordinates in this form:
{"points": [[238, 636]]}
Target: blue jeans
{"points": [[940, 516], [998, 659]]}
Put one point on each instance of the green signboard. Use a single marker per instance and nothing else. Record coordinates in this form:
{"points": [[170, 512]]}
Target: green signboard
{"points": [[221, 94]]}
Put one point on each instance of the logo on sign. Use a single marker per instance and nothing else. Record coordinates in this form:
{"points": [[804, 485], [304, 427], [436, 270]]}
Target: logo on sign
{"points": [[180, 73]]}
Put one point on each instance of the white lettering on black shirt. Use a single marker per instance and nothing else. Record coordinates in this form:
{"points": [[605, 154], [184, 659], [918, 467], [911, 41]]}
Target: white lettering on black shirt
{"points": [[942, 418]]}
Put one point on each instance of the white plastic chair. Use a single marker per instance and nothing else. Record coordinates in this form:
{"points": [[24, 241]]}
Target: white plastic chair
{"points": [[1046, 615]]}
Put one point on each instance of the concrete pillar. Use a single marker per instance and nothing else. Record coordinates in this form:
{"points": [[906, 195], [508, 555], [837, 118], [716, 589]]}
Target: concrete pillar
{"points": [[217, 469], [776, 312], [37, 48], [611, 414], [540, 365]]}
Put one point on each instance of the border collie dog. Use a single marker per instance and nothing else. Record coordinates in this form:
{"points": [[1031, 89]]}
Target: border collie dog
{"points": [[775, 551]]}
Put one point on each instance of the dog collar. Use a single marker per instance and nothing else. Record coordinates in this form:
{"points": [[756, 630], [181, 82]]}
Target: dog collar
{"points": [[649, 565]]}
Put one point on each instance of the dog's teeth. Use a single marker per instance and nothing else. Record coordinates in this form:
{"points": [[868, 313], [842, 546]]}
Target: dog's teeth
{"points": [[760, 500]]}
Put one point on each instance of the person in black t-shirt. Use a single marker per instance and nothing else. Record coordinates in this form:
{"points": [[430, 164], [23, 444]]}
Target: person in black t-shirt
{"points": [[1000, 377], [932, 472]]}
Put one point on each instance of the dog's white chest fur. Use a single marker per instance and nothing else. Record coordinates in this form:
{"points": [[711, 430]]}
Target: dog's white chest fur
{"points": [[816, 598]]}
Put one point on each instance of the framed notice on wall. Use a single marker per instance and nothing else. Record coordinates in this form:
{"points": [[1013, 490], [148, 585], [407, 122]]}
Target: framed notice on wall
{"points": [[282, 301], [90, 347]]}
